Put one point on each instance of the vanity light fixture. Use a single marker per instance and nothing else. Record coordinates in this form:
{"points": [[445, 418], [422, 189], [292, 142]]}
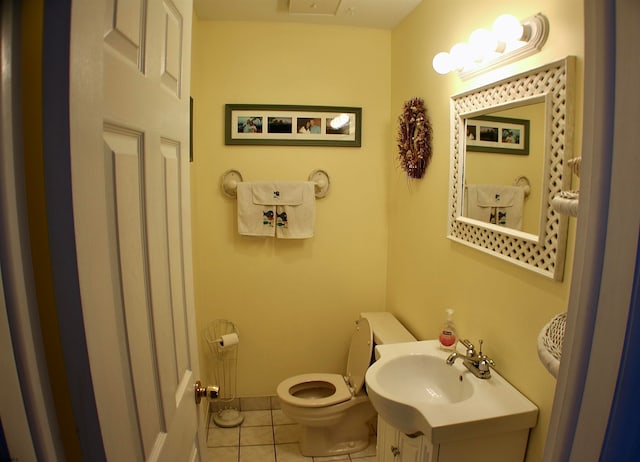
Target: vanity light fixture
{"points": [[509, 40]]}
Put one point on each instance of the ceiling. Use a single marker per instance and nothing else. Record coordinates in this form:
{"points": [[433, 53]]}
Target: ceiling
{"points": [[380, 14]]}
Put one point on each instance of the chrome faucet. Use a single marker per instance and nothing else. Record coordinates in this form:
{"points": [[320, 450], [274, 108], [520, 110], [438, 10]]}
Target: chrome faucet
{"points": [[477, 362]]}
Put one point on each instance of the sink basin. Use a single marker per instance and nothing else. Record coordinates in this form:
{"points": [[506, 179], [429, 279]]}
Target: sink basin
{"points": [[415, 391], [432, 379]]}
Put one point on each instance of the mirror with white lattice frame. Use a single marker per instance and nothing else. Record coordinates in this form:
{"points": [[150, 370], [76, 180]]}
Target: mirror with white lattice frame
{"points": [[543, 253]]}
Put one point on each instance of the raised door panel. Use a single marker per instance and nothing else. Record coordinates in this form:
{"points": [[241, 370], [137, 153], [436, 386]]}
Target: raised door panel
{"points": [[171, 48], [125, 148], [135, 351], [172, 153], [125, 30]]}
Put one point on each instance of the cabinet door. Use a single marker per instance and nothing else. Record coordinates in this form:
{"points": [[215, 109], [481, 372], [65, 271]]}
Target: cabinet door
{"points": [[387, 449], [394, 446], [428, 451], [410, 448]]}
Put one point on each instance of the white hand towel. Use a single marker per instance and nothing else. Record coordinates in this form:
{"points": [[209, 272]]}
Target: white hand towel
{"points": [[473, 208], [283, 209], [296, 212], [499, 204], [255, 219]]}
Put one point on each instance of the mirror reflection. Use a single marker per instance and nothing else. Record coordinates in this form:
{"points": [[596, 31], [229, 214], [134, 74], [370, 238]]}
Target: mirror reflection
{"points": [[504, 165]]}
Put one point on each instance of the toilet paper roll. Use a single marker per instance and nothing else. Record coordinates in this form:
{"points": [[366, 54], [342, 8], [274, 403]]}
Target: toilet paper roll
{"points": [[229, 339]]}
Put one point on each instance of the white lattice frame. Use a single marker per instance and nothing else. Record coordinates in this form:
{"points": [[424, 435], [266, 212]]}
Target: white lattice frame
{"points": [[544, 253]]}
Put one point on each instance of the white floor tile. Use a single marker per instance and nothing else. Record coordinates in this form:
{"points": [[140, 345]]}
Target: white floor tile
{"points": [[223, 437], [256, 435], [263, 453], [256, 418], [227, 454]]}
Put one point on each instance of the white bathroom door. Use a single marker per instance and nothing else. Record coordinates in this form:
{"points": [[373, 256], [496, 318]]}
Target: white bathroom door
{"points": [[129, 114]]}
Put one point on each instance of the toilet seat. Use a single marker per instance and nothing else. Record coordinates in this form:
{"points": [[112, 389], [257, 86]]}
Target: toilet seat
{"points": [[288, 387], [338, 389]]}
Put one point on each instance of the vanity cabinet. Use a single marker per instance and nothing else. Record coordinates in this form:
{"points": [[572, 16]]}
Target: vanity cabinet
{"points": [[394, 446]]}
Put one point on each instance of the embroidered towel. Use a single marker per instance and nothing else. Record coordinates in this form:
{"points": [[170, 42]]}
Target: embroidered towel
{"points": [[254, 219], [296, 213], [284, 209], [498, 204]]}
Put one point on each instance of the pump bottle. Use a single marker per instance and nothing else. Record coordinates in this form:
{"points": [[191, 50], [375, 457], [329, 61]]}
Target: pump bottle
{"points": [[448, 333]]}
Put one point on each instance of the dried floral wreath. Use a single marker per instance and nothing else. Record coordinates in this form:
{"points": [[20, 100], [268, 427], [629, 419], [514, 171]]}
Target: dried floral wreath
{"points": [[414, 138]]}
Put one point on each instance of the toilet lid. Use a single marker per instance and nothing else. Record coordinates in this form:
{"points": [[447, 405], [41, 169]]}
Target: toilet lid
{"points": [[359, 354]]}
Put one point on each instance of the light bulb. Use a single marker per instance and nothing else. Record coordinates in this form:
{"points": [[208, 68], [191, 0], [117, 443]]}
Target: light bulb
{"points": [[442, 63], [460, 56], [508, 28], [483, 43]]}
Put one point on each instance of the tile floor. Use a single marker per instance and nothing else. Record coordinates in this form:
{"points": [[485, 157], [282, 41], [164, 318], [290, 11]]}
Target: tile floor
{"points": [[267, 436]]}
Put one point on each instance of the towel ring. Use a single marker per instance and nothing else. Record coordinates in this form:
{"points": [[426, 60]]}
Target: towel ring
{"points": [[229, 182], [231, 178], [322, 182], [523, 182]]}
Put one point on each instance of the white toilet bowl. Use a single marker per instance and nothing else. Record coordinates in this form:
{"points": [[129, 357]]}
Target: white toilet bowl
{"points": [[332, 410]]}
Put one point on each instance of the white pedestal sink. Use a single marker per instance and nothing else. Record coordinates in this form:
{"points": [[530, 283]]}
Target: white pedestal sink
{"points": [[415, 391]]}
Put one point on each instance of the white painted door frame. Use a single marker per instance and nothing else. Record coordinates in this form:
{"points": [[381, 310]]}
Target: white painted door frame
{"points": [[26, 403], [606, 237]]}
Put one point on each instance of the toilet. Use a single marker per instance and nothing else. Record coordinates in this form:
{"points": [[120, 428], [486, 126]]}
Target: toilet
{"points": [[332, 410]]}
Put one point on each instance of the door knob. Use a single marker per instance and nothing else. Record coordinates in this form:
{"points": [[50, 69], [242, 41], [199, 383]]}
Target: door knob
{"points": [[209, 392]]}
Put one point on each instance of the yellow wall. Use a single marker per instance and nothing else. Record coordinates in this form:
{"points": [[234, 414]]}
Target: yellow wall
{"points": [[294, 301], [494, 300], [380, 240]]}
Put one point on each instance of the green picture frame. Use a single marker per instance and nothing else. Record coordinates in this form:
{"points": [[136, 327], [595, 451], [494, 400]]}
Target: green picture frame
{"points": [[287, 125], [500, 135]]}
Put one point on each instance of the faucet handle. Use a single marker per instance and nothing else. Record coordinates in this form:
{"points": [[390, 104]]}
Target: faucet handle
{"points": [[468, 345], [471, 351], [483, 365], [484, 361]]}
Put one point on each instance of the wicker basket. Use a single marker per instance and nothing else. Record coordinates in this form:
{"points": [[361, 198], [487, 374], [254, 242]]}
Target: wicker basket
{"points": [[550, 342]]}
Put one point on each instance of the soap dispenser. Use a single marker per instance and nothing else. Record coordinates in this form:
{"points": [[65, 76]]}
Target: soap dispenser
{"points": [[448, 334]]}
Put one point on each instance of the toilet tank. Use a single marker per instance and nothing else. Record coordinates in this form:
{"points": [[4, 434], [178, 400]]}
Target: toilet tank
{"points": [[386, 328]]}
